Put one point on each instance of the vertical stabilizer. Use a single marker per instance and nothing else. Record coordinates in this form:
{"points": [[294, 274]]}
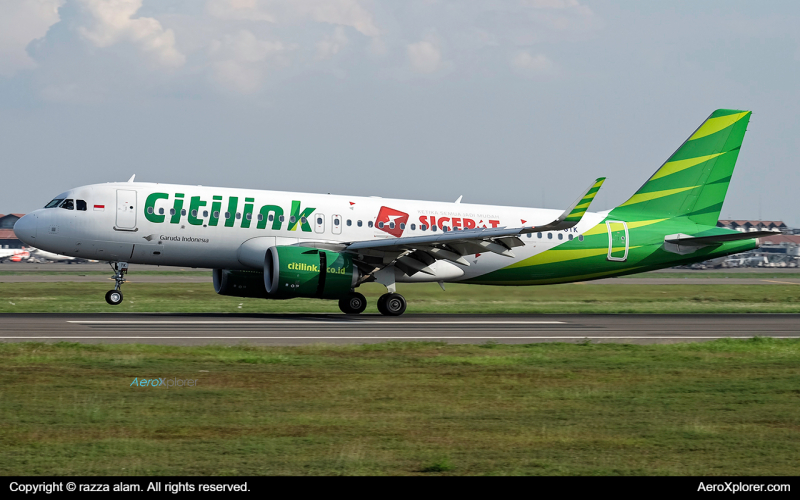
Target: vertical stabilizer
{"points": [[694, 180]]}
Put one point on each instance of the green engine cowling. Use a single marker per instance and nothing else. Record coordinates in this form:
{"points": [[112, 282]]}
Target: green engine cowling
{"points": [[291, 271]]}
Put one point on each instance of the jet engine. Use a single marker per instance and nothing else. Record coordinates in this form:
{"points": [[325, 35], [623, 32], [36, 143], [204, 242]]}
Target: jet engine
{"points": [[240, 283], [293, 271]]}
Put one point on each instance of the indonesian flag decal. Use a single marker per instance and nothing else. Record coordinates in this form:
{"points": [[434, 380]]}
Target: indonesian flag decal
{"points": [[99, 207], [391, 219], [351, 205]]}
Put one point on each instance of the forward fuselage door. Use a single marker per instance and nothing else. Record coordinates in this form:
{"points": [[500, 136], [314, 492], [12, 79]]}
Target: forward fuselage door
{"points": [[319, 223], [126, 209], [617, 240], [337, 224]]}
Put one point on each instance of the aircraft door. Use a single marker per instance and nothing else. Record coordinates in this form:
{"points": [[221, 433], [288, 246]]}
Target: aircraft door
{"points": [[617, 240], [336, 221], [126, 209], [319, 223]]}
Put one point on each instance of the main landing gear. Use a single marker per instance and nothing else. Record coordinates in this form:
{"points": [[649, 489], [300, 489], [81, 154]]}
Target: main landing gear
{"points": [[392, 304], [114, 297], [355, 303]]}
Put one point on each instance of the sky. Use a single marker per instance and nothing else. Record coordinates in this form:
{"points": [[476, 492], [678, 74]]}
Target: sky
{"points": [[515, 102]]}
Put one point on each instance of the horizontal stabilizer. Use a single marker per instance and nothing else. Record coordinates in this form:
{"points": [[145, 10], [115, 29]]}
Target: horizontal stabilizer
{"points": [[701, 241]]}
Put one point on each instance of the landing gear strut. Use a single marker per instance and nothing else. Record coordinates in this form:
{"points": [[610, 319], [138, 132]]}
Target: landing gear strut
{"points": [[355, 303], [114, 297]]}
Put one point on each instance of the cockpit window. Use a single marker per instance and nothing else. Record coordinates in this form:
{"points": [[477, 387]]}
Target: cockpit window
{"points": [[54, 203], [80, 205], [68, 205]]}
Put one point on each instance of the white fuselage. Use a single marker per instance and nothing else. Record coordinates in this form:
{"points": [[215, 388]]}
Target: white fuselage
{"points": [[179, 225]]}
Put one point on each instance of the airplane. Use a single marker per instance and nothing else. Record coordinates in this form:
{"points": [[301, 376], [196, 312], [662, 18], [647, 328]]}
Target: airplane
{"points": [[282, 245], [14, 254], [45, 256]]}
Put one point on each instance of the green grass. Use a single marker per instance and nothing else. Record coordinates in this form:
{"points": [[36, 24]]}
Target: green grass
{"points": [[422, 298], [792, 274], [727, 407]]}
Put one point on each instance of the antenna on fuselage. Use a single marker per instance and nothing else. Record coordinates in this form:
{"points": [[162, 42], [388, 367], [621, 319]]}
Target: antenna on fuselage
{"points": [[459, 199], [132, 177]]}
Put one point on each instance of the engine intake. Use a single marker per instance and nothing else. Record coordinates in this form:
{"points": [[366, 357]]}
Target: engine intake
{"points": [[240, 283], [291, 271]]}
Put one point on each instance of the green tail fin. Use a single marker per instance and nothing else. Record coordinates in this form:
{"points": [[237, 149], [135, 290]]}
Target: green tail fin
{"points": [[694, 180]]}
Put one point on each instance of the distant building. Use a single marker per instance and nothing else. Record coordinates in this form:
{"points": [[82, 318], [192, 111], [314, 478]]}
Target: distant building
{"points": [[7, 237], [747, 226]]}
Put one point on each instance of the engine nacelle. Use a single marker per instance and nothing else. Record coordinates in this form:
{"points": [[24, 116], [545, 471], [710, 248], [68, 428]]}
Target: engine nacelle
{"points": [[291, 271], [240, 283]]}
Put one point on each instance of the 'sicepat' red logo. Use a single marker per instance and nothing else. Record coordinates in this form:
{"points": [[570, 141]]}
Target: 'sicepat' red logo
{"points": [[391, 219]]}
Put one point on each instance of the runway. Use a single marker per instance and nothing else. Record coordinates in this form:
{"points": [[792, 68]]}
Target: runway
{"points": [[299, 329]]}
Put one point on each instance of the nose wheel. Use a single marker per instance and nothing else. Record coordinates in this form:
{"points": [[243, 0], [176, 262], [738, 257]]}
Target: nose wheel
{"points": [[114, 297]]}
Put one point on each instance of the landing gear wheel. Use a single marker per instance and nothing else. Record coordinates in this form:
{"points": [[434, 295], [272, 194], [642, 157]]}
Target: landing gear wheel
{"points": [[114, 297], [392, 304], [355, 303]]}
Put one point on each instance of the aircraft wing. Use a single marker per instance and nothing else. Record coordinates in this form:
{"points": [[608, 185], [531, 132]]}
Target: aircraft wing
{"points": [[415, 253]]}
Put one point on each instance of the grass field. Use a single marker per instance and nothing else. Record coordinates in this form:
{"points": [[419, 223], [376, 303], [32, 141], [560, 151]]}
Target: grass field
{"points": [[422, 298], [727, 407]]}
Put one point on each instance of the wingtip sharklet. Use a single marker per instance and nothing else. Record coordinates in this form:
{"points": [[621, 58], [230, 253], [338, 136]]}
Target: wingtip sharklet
{"points": [[572, 215]]}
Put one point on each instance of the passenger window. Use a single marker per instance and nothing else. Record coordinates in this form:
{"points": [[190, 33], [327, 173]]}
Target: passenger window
{"points": [[160, 211], [380, 225], [249, 216], [238, 215], [68, 205], [216, 214], [358, 223], [260, 217], [402, 225], [149, 210], [580, 237], [319, 221], [281, 218], [303, 220], [227, 215], [538, 235], [549, 236], [271, 217], [194, 213], [570, 237], [292, 219], [560, 236], [183, 212], [336, 222], [391, 225], [349, 222], [413, 227], [81, 204], [423, 227], [369, 223], [172, 211], [205, 213], [529, 235], [433, 228]]}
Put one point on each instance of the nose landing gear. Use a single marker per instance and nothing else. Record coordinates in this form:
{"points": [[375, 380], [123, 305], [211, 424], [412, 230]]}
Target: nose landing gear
{"points": [[114, 297]]}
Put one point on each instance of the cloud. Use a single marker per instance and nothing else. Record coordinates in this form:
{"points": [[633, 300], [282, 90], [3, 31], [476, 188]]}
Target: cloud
{"points": [[114, 23], [572, 5], [530, 65], [424, 56], [341, 12], [240, 60], [21, 22], [331, 45]]}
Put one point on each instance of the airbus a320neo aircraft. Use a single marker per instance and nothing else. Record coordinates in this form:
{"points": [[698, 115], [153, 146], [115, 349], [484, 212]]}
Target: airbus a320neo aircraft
{"points": [[281, 245]]}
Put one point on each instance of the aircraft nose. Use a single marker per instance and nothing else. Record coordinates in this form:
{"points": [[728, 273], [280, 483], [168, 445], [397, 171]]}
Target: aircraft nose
{"points": [[25, 229]]}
